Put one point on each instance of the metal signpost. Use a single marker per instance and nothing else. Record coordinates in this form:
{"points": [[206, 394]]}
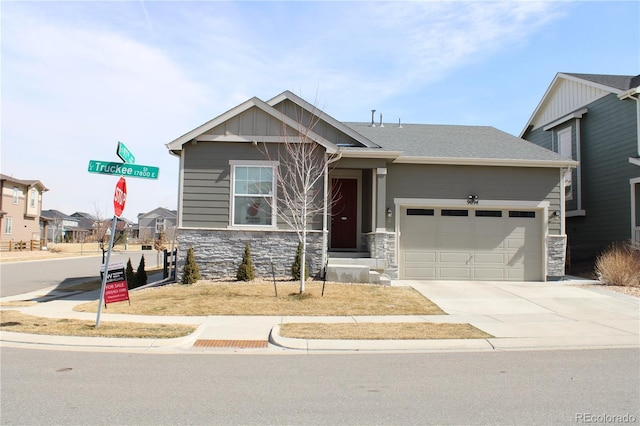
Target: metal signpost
{"points": [[119, 199]]}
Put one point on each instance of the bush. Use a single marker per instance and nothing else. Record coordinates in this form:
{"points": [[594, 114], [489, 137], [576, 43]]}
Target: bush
{"points": [[141, 274], [619, 265], [130, 275], [190, 272], [245, 270], [295, 268]]}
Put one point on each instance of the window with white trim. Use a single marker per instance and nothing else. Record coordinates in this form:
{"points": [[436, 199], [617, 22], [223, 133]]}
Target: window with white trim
{"points": [[15, 195], [160, 224], [253, 187], [8, 225], [32, 198], [565, 148]]}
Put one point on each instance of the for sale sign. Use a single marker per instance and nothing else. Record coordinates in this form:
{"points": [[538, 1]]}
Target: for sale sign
{"points": [[116, 289]]}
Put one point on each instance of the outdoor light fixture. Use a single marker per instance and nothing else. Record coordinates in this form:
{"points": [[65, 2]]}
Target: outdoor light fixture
{"points": [[388, 211], [554, 215], [472, 199]]}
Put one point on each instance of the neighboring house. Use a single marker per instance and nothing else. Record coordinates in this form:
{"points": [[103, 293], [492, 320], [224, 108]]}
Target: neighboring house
{"points": [[159, 220], [62, 227], [411, 201], [595, 120], [20, 208]]}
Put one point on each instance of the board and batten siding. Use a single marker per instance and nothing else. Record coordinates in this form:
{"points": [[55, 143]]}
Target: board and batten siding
{"points": [[488, 183], [608, 137]]}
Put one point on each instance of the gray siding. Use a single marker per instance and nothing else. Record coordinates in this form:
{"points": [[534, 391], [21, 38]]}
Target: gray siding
{"points": [[206, 194], [608, 138], [489, 183]]}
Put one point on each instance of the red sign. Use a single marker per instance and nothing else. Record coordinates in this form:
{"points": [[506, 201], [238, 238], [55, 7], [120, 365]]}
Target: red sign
{"points": [[120, 197], [116, 289]]}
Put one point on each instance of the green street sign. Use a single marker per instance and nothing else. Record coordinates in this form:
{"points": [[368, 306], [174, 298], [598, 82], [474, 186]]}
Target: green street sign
{"points": [[124, 154], [127, 170]]}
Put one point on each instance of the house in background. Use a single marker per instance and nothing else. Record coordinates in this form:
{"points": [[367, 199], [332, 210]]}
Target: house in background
{"points": [[62, 227], [20, 208], [595, 120], [159, 220], [410, 201]]}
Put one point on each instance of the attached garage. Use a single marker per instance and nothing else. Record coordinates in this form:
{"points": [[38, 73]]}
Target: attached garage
{"points": [[478, 243]]}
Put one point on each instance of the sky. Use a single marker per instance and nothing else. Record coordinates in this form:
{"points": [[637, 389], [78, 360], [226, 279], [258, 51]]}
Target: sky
{"points": [[77, 77]]}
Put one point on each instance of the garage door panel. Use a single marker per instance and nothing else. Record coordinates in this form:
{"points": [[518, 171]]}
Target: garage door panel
{"points": [[420, 273], [489, 259], [454, 273], [454, 257], [426, 257]]}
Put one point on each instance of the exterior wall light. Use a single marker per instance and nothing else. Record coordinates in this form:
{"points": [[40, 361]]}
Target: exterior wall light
{"points": [[472, 199], [389, 212]]}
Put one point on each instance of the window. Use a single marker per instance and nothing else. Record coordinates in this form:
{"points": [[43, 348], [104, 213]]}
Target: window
{"points": [[32, 198], [160, 224], [8, 225], [253, 189], [565, 149], [419, 212], [517, 213], [454, 212], [488, 213], [15, 195]]}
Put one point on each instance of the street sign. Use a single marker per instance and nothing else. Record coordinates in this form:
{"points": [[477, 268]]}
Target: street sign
{"points": [[120, 197], [127, 170], [124, 154]]}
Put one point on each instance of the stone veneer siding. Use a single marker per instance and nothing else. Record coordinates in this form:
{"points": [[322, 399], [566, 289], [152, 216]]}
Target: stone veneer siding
{"points": [[556, 256], [218, 252], [382, 245]]}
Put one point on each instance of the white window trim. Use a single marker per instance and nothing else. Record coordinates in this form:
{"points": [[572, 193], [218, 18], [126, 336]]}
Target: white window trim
{"points": [[160, 220], [8, 226], [16, 195], [232, 195], [560, 134], [32, 198]]}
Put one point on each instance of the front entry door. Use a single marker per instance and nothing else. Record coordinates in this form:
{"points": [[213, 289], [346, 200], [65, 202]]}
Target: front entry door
{"points": [[344, 213]]}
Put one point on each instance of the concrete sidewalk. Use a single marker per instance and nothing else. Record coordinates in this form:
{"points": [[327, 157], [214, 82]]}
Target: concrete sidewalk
{"points": [[521, 316]]}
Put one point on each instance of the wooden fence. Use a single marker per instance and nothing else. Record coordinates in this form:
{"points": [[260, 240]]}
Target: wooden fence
{"points": [[31, 245]]}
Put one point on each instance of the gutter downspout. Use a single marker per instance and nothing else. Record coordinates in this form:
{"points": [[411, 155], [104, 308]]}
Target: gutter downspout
{"points": [[325, 230], [629, 95]]}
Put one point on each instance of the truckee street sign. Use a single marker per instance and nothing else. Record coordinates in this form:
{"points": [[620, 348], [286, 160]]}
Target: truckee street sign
{"points": [[127, 170]]}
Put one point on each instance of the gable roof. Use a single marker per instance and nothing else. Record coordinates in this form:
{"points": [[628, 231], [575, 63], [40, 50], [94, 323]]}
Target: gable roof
{"points": [[159, 211], [176, 145], [595, 86], [455, 144], [28, 183]]}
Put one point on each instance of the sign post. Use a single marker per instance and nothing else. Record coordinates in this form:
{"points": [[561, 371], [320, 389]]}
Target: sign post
{"points": [[118, 289]]}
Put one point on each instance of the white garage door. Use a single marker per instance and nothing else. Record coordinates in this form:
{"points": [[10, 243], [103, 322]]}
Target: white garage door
{"points": [[470, 243]]}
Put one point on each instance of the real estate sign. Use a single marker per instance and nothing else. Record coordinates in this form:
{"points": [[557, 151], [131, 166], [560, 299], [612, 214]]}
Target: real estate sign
{"points": [[116, 289]]}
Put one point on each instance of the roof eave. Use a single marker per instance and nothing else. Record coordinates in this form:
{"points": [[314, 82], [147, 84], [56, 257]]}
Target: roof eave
{"points": [[495, 162]]}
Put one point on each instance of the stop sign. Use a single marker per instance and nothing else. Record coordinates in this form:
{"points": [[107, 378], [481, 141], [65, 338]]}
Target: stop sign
{"points": [[120, 197]]}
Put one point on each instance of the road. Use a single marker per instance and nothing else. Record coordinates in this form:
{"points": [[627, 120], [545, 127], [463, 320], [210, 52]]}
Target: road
{"points": [[26, 276], [537, 387]]}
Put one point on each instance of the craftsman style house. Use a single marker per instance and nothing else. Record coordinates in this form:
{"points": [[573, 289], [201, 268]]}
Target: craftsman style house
{"points": [[20, 208], [406, 201], [595, 120]]}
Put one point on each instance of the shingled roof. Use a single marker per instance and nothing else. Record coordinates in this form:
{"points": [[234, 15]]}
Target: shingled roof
{"points": [[620, 82], [456, 144]]}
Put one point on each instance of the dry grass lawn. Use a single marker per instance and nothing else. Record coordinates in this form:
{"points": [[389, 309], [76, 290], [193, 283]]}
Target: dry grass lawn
{"points": [[384, 331], [214, 298], [22, 323]]}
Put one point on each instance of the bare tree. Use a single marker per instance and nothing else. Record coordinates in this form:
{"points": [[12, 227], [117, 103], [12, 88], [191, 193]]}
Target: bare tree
{"points": [[303, 163]]}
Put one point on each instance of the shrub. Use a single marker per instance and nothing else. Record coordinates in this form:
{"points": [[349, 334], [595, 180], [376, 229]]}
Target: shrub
{"points": [[245, 270], [295, 268], [619, 265], [190, 272], [141, 274], [130, 275]]}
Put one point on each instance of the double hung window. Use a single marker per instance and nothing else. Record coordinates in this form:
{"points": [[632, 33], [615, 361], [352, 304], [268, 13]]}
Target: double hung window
{"points": [[253, 193]]}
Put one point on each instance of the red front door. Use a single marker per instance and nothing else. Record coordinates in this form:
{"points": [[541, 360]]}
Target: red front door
{"points": [[344, 213]]}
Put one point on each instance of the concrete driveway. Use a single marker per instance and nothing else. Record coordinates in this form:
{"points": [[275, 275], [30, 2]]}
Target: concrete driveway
{"points": [[537, 314]]}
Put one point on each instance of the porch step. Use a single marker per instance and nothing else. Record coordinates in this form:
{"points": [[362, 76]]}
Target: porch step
{"points": [[353, 273], [375, 264]]}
